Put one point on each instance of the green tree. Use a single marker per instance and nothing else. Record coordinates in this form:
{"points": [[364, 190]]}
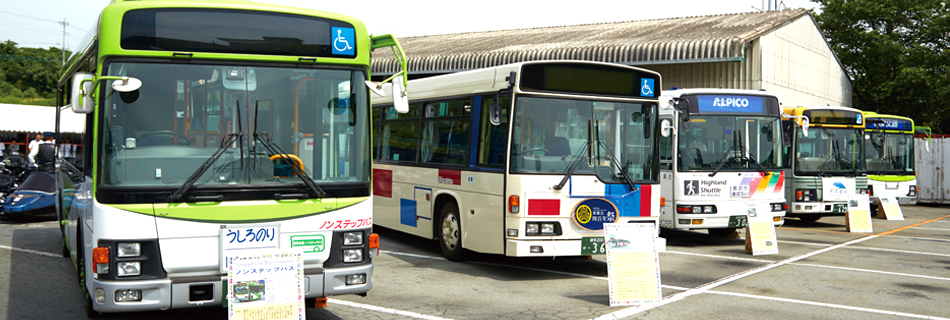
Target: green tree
{"points": [[28, 75], [895, 52]]}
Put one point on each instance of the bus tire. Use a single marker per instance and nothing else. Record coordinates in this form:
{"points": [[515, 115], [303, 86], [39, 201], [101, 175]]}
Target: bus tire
{"points": [[450, 232], [721, 232], [809, 217], [81, 271]]}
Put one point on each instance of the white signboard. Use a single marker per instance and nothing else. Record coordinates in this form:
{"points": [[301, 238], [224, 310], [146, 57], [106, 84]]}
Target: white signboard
{"points": [[760, 234], [891, 209], [858, 218], [235, 240], [265, 285], [633, 267], [836, 189]]}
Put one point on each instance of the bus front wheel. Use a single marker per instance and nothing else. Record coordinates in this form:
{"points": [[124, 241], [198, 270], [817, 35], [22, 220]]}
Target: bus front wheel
{"points": [[450, 232]]}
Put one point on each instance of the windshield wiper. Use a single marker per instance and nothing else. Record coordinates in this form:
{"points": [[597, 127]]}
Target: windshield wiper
{"points": [[266, 140], [623, 168], [226, 143], [576, 161], [744, 154]]}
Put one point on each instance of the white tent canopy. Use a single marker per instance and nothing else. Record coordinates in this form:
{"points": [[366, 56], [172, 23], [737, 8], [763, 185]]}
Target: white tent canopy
{"points": [[24, 118]]}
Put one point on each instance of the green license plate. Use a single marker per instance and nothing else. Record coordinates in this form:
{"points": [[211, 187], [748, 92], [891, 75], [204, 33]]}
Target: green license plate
{"points": [[593, 245], [738, 221], [839, 208]]}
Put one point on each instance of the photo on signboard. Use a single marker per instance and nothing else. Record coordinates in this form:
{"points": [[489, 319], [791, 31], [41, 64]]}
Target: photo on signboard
{"points": [[248, 291]]}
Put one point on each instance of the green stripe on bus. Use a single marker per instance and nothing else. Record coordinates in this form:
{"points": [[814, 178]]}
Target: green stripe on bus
{"points": [[890, 178], [243, 211]]}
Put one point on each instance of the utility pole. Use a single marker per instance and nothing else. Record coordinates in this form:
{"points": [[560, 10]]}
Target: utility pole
{"points": [[64, 24]]}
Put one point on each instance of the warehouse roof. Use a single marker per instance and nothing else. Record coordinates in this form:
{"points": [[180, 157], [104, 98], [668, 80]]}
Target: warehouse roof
{"points": [[702, 38]]}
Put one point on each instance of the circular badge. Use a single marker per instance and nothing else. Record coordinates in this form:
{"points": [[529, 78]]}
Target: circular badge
{"points": [[591, 214]]}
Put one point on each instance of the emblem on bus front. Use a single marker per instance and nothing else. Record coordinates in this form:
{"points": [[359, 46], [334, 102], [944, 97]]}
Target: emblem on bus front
{"points": [[591, 214]]}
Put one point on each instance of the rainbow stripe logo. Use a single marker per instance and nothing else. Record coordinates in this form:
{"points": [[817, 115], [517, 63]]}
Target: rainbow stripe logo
{"points": [[773, 181]]}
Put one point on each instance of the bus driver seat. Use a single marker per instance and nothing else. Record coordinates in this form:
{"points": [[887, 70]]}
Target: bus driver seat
{"points": [[697, 145], [557, 146]]}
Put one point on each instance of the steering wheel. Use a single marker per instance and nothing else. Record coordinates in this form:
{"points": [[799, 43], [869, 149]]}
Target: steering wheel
{"points": [[546, 152], [181, 137]]}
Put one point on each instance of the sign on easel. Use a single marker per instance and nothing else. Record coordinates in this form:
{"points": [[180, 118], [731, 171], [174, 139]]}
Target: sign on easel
{"points": [[760, 234], [858, 218], [890, 209], [266, 285], [633, 267]]}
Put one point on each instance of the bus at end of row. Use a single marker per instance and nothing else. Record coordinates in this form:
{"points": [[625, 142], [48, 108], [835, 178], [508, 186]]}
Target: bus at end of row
{"points": [[720, 159], [213, 129], [825, 163], [890, 158], [523, 160]]}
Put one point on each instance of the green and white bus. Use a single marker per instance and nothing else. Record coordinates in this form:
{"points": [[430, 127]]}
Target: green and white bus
{"points": [[890, 158], [213, 128]]}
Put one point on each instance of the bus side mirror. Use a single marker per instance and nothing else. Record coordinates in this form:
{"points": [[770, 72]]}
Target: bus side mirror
{"points": [[805, 126], [494, 114], [666, 128], [400, 97], [82, 93]]}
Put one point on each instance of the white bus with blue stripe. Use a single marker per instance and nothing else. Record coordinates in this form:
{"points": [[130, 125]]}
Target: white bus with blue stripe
{"points": [[522, 160]]}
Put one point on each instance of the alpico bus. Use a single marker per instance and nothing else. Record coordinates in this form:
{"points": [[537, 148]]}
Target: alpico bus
{"points": [[826, 165], [213, 128], [890, 158], [527, 159], [720, 156]]}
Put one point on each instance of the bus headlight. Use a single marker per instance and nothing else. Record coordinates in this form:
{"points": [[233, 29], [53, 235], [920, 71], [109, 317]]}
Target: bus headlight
{"points": [[913, 191], [128, 295], [353, 238], [129, 249], [531, 228], [805, 195], [352, 255], [547, 228], [128, 268], [779, 207], [355, 279]]}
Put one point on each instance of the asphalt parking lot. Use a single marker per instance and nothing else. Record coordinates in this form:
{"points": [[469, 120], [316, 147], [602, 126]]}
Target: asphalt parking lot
{"points": [[902, 270]]}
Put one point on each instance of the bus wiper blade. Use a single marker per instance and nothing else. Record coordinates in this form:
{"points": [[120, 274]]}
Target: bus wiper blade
{"points": [[623, 168], [226, 143], [274, 149], [571, 168]]}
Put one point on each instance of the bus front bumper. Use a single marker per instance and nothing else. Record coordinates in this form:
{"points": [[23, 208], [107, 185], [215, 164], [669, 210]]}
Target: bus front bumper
{"points": [[180, 293], [554, 248]]}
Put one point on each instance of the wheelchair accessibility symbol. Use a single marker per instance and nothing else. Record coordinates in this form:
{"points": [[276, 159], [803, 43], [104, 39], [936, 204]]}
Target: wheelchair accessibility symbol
{"points": [[341, 40], [647, 89]]}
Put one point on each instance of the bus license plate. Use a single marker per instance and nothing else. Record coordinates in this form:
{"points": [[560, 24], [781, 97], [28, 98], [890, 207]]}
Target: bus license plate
{"points": [[738, 221], [839, 208], [593, 245]]}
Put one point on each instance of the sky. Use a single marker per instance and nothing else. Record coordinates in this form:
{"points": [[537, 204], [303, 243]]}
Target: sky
{"points": [[37, 23]]}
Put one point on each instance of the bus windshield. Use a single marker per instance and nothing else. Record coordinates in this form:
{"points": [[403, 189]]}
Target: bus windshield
{"points": [[715, 139], [184, 113], [890, 153], [827, 150], [551, 133]]}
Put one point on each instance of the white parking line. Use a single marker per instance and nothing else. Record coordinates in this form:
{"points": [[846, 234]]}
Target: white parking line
{"points": [[902, 251], [921, 238], [385, 310], [42, 253], [706, 287], [871, 271], [717, 256], [829, 305]]}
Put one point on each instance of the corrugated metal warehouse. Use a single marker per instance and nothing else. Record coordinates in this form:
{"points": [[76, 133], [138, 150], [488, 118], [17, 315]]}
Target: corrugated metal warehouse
{"points": [[780, 51]]}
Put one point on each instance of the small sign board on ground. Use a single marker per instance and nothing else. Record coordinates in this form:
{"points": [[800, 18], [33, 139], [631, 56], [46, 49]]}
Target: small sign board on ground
{"points": [[633, 266], [760, 234], [891, 209], [265, 285], [858, 218]]}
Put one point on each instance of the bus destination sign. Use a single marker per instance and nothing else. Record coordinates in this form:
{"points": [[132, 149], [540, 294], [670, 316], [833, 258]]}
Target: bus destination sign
{"points": [[719, 103]]}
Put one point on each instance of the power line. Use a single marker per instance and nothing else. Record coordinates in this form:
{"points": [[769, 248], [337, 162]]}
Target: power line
{"points": [[26, 16], [34, 30]]}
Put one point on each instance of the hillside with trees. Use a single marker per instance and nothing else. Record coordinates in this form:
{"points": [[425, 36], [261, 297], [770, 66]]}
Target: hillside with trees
{"points": [[29, 75]]}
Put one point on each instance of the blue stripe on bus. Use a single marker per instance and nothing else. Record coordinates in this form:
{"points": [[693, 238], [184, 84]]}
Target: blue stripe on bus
{"points": [[475, 129], [407, 212]]}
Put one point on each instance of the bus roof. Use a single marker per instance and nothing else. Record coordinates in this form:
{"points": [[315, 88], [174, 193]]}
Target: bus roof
{"points": [[829, 116], [490, 80], [888, 122], [105, 36]]}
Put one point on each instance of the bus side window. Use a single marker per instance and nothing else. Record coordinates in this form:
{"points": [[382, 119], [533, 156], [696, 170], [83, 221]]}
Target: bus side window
{"points": [[492, 139], [399, 134]]}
